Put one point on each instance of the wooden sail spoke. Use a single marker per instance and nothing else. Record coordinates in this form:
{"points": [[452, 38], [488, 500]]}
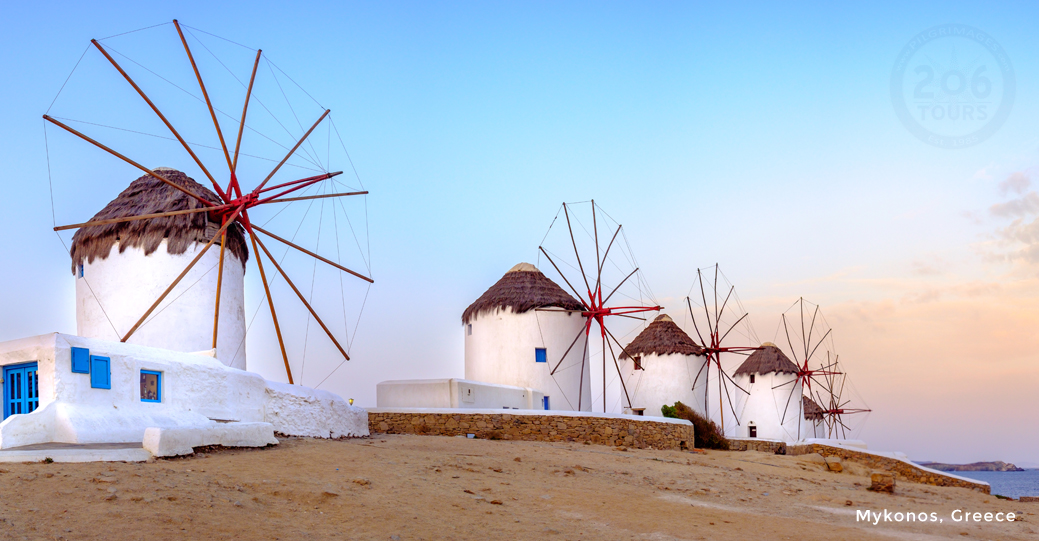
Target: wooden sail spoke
{"points": [[624, 386], [581, 331], [270, 303], [178, 187], [572, 288], [733, 327], [312, 254], [605, 256], [219, 283], [205, 94], [699, 277], [580, 380], [598, 260], [703, 366], [292, 151], [290, 199], [721, 312], [302, 298], [322, 176], [299, 185], [574, 242], [689, 303], [619, 285], [140, 217], [728, 398], [162, 117], [245, 109], [821, 340]]}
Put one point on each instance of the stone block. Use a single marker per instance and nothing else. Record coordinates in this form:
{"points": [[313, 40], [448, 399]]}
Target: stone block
{"points": [[833, 464], [882, 481]]}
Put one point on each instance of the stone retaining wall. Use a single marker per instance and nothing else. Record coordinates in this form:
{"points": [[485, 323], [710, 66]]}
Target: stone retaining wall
{"points": [[616, 430], [752, 444], [901, 469]]}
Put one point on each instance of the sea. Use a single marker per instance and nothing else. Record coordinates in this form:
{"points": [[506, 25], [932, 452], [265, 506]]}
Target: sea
{"points": [[1012, 484]]}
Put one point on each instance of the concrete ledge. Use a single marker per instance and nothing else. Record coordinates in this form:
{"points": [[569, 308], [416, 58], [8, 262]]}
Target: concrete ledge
{"points": [[182, 441], [77, 455], [900, 468], [536, 425]]}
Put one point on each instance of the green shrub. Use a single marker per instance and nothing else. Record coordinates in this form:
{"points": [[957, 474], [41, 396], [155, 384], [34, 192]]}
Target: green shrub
{"points": [[707, 435]]}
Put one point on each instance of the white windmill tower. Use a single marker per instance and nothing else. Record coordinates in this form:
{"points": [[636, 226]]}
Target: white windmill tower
{"points": [[763, 411], [513, 331], [660, 366], [121, 267]]}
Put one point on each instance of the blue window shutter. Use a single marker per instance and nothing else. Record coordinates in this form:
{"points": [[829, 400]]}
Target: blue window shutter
{"points": [[100, 372], [81, 360], [540, 355]]}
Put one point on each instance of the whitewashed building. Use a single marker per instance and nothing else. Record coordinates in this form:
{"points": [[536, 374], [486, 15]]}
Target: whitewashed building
{"points": [[517, 333], [773, 408], [660, 366], [122, 268], [162, 387], [60, 388]]}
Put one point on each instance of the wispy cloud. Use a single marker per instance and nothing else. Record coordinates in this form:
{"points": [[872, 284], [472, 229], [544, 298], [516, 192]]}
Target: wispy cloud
{"points": [[1019, 241], [1017, 183]]}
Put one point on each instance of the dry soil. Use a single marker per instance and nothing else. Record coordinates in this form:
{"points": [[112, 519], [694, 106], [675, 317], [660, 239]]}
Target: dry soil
{"points": [[427, 487]]}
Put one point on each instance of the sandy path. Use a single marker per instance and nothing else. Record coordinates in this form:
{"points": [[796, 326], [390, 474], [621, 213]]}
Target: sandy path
{"points": [[424, 487]]}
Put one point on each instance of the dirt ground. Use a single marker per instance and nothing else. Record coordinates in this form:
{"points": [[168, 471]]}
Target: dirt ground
{"points": [[426, 487]]}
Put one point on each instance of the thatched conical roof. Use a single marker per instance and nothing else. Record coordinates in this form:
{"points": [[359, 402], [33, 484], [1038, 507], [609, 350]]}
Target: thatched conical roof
{"points": [[523, 288], [812, 411], [766, 360], [149, 195], [662, 337]]}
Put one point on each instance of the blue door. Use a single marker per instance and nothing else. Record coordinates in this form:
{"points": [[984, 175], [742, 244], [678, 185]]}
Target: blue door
{"points": [[21, 389]]}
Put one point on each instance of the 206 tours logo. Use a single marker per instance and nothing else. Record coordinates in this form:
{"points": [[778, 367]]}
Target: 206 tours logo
{"points": [[953, 86]]}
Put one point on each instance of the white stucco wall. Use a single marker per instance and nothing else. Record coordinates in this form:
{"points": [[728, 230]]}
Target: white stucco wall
{"points": [[665, 379], [196, 392], [764, 408], [117, 291], [500, 350], [302, 411], [455, 393]]}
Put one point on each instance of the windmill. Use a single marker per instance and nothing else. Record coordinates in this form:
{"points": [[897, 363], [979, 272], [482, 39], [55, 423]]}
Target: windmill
{"points": [[808, 337], [230, 204], [834, 404], [608, 273], [718, 324]]}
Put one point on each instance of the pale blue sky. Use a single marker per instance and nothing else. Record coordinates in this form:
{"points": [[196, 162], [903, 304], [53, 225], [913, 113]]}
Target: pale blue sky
{"points": [[761, 137]]}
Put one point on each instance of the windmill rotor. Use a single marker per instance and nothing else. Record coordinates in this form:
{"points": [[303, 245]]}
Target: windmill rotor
{"points": [[717, 324], [810, 341], [275, 187], [837, 404], [609, 272]]}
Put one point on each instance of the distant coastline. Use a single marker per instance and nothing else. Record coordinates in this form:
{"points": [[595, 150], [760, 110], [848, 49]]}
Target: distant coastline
{"points": [[998, 465]]}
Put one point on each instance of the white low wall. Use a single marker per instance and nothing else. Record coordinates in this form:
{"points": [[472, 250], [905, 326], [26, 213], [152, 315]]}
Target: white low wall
{"points": [[301, 411], [455, 393], [196, 390]]}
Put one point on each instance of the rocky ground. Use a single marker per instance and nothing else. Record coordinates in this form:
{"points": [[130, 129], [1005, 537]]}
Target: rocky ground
{"points": [[426, 487]]}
